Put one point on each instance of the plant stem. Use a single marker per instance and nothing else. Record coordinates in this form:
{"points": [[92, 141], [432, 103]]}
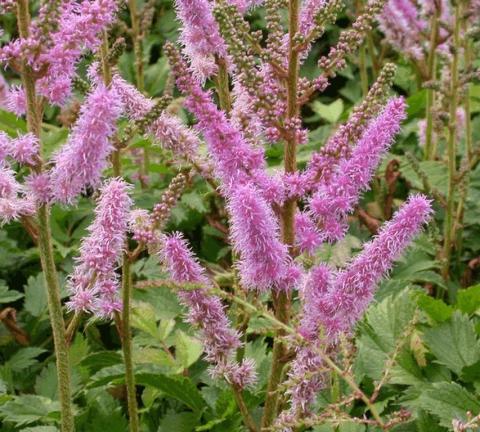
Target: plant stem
{"points": [[247, 418], [124, 327], [45, 245], [468, 157], [126, 336], [282, 300], [56, 318], [451, 148], [430, 148], [139, 76], [221, 83]]}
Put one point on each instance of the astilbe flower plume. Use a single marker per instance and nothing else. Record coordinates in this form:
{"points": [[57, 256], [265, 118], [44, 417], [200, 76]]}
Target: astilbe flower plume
{"points": [[206, 312], [330, 205], [93, 284], [167, 129], [200, 36], [80, 27], [80, 162], [264, 261], [236, 161], [334, 301]]}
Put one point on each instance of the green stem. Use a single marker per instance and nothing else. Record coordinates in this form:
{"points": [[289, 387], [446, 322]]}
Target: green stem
{"points": [[242, 406], [45, 245], [282, 300], [139, 75], [126, 335], [56, 318], [451, 149], [430, 147], [469, 153], [222, 85]]}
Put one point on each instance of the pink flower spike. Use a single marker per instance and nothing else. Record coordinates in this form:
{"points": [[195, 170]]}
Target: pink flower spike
{"points": [[25, 148], [80, 162], [264, 259]]}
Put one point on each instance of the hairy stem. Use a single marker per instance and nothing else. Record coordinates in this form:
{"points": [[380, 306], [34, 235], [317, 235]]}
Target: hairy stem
{"points": [[139, 75], [45, 245], [126, 336], [430, 149], [451, 148], [282, 300], [221, 83], [247, 418]]}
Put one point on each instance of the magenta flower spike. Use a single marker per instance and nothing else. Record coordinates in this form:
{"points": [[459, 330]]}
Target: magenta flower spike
{"points": [[93, 284], [80, 162], [330, 205], [206, 312]]}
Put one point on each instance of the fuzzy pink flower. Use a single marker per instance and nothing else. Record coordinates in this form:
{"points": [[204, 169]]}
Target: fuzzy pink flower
{"points": [[80, 27], [333, 201], [25, 148], [307, 235], [200, 36], [205, 311], [80, 162], [353, 288], [101, 250], [38, 185], [173, 135], [264, 259], [16, 101], [136, 105]]}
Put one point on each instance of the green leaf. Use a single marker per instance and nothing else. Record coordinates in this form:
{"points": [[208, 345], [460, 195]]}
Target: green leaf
{"points": [[468, 300], [40, 429], [143, 318], [101, 359], [28, 409], [194, 201], [156, 77], [24, 358], [8, 296], [448, 401], [46, 382], [435, 308], [331, 112], [380, 332], [35, 295], [454, 343], [187, 349], [12, 124], [179, 388], [178, 422]]}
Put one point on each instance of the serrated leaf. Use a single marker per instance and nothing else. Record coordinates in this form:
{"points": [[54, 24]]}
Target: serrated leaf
{"points": [[454, 343], [187, 349], [28, 409], [179, 388], [178, 422], [448, 401], [468, 300], [35, 295], [194, 201], [330, 112], [101, 359], [435, 308], [46, 382], [143, 318], [7, 295], [24, 358]]}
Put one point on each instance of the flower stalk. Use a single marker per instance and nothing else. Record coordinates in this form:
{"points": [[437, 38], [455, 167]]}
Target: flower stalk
{"points": [[449, 228], [45, 244]]}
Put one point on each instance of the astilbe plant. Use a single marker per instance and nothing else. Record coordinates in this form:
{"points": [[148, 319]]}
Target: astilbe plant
{"points": [[277, 221]]}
